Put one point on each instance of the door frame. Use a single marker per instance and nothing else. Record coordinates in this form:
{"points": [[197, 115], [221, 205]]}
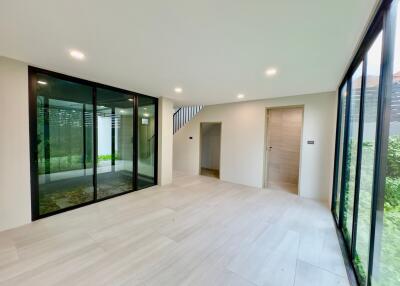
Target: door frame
{"points": [[34, 182], [200, 146], [266, 138]]}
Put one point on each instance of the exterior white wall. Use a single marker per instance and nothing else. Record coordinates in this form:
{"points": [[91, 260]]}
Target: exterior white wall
{"points": [[15, 206], [243, 142], [15, 192], [165, 140]]}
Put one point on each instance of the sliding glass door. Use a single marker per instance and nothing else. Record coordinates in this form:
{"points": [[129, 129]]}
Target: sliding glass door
{"points": [[89, 142], [115, 137], [64, 144]]}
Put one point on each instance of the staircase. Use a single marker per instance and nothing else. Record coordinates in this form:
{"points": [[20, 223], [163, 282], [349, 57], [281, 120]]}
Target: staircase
{"points": [[184, 114]]}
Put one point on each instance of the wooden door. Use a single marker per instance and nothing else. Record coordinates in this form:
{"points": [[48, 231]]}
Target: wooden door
{"points": [[284, 129]]}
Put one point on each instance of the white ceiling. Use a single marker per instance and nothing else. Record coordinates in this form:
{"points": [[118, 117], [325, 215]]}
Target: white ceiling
{"points": [[213, 49]]}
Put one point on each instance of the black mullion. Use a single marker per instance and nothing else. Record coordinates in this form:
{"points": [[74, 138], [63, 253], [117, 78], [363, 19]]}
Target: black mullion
{"points": [[156, 142], [359, 158], [345, 152], [382, 136], [113, 139], [135, 173], [94, 99], [32, 85], [84, 136], [337, 152], [46, 137]]}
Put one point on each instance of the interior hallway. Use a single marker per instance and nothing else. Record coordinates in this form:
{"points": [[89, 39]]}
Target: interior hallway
{"points": [[198, 231]]}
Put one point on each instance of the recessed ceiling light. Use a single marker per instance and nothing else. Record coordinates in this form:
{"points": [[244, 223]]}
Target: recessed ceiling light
{"points": [[122, 111], [178, 89], [271, 72], [240, 96], [42, 82], [130, 99], [146, 114], [77, 54], [144, 108]]}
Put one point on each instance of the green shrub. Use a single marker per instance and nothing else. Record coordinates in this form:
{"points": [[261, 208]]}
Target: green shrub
{"points": [[392, 192], [393, 157]]}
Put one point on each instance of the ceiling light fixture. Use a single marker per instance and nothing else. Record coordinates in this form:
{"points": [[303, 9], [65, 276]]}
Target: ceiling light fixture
{"points": [[130, 99], [77, 54], [42, 82], [146, 114], [240, 96], [178, 89], [271, 72]]}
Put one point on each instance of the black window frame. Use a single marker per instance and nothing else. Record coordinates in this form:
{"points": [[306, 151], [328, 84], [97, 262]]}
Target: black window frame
{"points": [[32, 83], [383, 21]]}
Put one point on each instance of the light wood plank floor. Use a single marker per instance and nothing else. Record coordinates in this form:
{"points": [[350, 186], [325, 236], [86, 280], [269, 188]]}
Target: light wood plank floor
{"points": [[198, 231]]}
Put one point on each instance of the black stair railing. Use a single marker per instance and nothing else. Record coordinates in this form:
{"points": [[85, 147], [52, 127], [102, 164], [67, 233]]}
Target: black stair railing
{"points": [[184, 114]]}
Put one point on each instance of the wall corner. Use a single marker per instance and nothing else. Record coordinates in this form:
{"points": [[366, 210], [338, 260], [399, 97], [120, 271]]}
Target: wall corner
{"points": [[165, 140]]}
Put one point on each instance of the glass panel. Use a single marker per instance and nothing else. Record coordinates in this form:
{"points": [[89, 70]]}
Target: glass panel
{"points": [[146, 141], [352, 154], [343, 95], [114, 143], [64, 132], [368, 158], [386, 271]]}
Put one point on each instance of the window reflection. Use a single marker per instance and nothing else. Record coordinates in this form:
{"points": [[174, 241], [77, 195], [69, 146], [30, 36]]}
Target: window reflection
{"points": [[368, 159], [64, 140], [350, 164], [146, 141], [387, 246], [343, 94], [114, 143]]}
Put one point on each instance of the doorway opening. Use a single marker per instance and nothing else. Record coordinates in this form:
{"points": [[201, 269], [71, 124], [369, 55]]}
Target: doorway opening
{"points": [[284, 137], [210, 149]]}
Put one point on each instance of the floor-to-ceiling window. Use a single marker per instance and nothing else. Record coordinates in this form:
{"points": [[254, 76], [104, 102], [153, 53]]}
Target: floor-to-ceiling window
{"points": [[341, 123], [361, 251], [85, 145], [366, 194], [351, 144], [386, 264]]}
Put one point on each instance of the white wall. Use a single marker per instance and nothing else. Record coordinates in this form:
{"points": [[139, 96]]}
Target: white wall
{"points": [[15, 192], [165, 139], [15, 207], [243, 142]]}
